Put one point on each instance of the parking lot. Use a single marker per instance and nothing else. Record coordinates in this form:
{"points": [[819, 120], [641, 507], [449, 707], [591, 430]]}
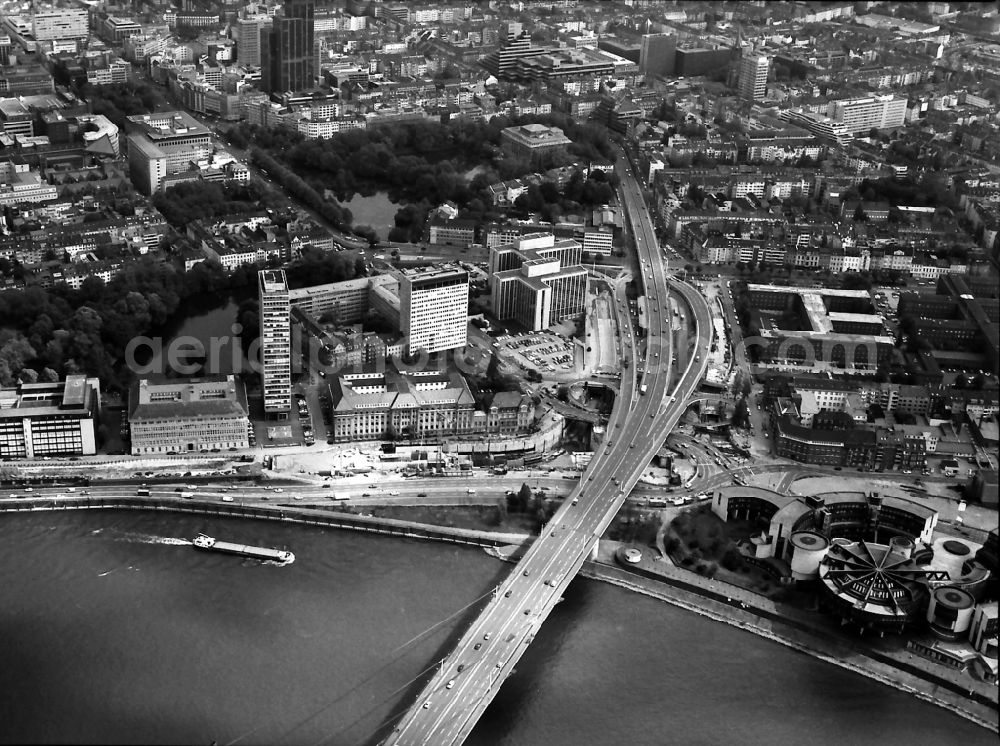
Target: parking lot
{"points": [[543, 351]]}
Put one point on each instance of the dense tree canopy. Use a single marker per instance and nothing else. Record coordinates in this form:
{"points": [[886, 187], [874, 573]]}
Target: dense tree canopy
{"points": [[316, 267], [196, 200], [120, 100], [68, 331], [420, 163]]}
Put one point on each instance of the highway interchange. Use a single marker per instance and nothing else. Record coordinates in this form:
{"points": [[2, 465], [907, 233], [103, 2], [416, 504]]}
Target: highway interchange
{"points": [[466, 681]]}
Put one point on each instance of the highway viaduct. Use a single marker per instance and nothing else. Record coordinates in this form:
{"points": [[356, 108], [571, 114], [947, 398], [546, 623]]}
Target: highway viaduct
{"points": [[650, 403]]}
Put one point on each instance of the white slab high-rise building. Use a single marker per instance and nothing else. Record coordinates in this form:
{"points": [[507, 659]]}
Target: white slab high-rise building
{"points": [[753, 77], [861, 114], [275, 342], [434, 309], [53, 24]]}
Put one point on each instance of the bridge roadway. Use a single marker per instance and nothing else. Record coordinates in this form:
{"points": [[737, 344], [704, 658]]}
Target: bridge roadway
{"points": [[465, 682]]}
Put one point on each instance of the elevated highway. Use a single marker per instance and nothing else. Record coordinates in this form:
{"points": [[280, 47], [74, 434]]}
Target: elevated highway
{"points": [[650, 403]]}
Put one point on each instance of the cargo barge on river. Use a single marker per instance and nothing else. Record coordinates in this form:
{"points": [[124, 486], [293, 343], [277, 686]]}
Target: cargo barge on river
{"points": [[211, 544]]}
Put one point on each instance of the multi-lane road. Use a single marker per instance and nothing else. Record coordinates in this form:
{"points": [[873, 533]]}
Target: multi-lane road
{"points": [[650, 403]]}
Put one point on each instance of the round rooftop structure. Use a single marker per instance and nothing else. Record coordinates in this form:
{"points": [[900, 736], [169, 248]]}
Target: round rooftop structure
{"points": [[950, 612], [808, 550], [953, 598], [902, 546], [873, 586], [957, 548], [628, 555], [951, 556], [809, 541]]}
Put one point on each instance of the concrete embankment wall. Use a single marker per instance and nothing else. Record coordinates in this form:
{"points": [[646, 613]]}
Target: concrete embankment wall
{"points": [[312, 516]]}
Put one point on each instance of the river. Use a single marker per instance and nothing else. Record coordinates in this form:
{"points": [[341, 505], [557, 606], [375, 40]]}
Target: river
{"points": [[117, 631], [377, 211]]}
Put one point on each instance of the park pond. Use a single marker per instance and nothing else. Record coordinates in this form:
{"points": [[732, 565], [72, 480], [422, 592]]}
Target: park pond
{"points": [[376, 210], [208, 319]]}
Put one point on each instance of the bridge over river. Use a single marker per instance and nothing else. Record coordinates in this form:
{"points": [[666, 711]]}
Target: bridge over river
{"points": [[650, 403]]}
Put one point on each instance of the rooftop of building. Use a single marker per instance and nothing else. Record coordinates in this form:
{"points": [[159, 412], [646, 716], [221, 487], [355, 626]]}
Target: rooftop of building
{"points": [[536, 134], [398, 390], [221, 396], [273, 281], [168, 125], [357, 283], [75, 394], [790, 508], [426, 275]]}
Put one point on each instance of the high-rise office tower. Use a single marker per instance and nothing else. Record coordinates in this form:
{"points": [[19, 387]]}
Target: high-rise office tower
{"points": [[753, 77], [275, 342], [252, 33], [434, 309], [288, 57], [657, 54]]}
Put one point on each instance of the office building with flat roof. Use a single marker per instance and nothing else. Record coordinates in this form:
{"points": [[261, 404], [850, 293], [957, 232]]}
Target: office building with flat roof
{"points": [[434, 308], [251, 34], [348, 301], [859, 115], [50, 419], [275, 342], [658, 54], [162, 144], [56, 24], [821, 126], [192, 415], [803, 326], [538, 281]]}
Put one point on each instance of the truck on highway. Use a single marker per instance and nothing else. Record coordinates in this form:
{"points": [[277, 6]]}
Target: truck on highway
{"points": [[642, 389], [142, 492]]}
